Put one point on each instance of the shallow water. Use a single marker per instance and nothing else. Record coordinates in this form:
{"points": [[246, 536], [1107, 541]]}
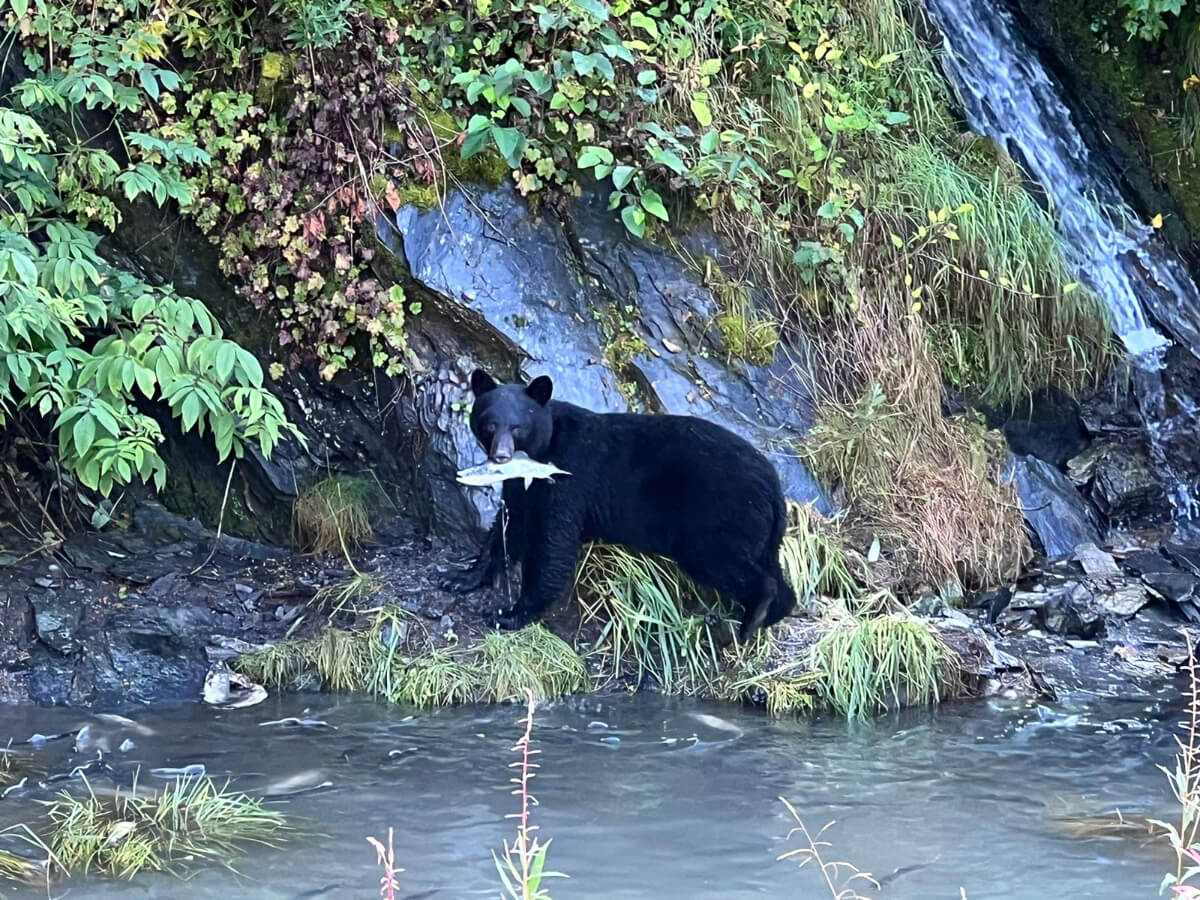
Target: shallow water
{"points": [[644, 799]]}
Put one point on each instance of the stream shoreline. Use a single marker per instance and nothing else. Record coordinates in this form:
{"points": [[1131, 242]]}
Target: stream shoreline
{"points": [[129, 617]]}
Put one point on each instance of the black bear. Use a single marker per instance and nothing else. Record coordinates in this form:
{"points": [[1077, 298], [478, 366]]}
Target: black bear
{"points": [[676, 486]]}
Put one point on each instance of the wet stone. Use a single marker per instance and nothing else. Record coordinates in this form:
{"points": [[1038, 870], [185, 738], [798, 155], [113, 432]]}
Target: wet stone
{"points": [[1121, 482], [56, 618]]}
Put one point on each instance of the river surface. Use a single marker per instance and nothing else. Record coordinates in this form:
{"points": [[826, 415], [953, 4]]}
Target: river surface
{"points": [[644, 798]]}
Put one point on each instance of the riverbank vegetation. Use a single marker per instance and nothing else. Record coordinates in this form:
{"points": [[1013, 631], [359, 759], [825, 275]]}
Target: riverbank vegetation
{"points": [[816, 140], [642, 623]]}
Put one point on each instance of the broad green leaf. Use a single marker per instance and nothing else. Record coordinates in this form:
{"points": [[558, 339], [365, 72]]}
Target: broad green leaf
{"points": [[634, 220], [83, 434], [653, 204], [510, 143]]}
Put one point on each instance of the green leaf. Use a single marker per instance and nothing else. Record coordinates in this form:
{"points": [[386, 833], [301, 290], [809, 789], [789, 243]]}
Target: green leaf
{"points": [[634, 220], [226, 356], [83, 434], [644, 22], [700, 109], [622, 175], [510, 143], [671, 160], [149, 82], [584, 64], [190, 411], [647, 76], [593, 155], [539, 81], [710, 67], [709, 141], [653, 204]]}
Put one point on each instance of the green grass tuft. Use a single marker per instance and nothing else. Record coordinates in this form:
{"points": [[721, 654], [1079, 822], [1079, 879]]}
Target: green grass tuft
{"points": [[812, 557], [1005, 316], [386, 660], [335, 514], [870, 665], [530, 659], [192, 820], [642, 603]]}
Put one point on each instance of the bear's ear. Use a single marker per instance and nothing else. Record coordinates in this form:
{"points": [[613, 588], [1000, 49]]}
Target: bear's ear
{"points": [[481, 383], [540, 389]]}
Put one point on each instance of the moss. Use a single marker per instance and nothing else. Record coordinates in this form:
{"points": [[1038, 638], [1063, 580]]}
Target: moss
{"points": [[487, 167], [748, 332]]}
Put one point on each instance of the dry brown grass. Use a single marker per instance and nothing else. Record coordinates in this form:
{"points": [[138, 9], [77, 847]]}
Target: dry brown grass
{"points": [[925, 484]]}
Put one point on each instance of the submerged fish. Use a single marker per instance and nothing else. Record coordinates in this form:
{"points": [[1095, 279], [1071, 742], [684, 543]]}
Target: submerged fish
{"points": [[520, 466], [716, 722], [195, 770], [293, 722], [136, 727]]}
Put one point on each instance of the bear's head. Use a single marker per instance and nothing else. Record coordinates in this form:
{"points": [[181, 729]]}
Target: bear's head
{"points": [[511, 417]]}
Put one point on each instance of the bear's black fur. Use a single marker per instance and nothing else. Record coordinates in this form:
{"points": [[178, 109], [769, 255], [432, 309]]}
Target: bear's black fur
{"points": [[677, 486]]}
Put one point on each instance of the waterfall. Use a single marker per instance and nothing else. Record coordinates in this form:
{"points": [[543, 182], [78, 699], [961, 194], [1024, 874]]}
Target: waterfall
{"points": [[1009, 96]]}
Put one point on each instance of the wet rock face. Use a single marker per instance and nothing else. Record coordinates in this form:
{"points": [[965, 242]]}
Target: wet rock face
{"points": [[616, 323], [1118, 477], [1058, 515]]}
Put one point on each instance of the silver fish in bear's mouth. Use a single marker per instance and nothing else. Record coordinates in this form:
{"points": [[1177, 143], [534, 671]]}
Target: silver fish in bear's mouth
{"points": [[520, 466]]}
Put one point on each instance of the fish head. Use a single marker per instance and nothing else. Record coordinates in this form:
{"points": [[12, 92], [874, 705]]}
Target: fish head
{"points": [[508, 419]]}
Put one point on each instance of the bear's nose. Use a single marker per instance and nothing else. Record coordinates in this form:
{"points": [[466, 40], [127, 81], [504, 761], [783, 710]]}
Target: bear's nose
{"points": [[502, 447]]}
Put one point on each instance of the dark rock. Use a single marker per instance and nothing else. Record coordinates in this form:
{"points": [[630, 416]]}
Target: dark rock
{"points": [[1143, 562], [1177, 587], [163, 587], [1186, 557], [1048, 428], [1121, 482], [1057, 514], [56, 616], [153, 653]]}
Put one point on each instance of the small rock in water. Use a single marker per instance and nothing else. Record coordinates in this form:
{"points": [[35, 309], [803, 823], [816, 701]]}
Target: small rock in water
{"points": [[597, 726], [231, 690], [126, 745]]}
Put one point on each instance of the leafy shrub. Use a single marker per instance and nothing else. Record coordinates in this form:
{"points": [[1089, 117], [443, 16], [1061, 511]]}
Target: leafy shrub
{"points": [[1147, 19], [82, 341]]}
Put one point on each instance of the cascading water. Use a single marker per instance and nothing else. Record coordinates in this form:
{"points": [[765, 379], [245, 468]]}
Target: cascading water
{"points": [[1009, 96]]}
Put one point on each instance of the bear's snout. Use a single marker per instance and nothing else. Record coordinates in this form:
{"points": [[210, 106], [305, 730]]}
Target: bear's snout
{"points": [[502, 447]]}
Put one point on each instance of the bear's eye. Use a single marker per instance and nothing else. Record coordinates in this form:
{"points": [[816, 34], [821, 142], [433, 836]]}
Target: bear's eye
{"points": [[490, 427], [518, 431]]}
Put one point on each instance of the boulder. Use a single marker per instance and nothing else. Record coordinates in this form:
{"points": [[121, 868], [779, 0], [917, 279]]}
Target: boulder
{"points": [[1055, 511]]}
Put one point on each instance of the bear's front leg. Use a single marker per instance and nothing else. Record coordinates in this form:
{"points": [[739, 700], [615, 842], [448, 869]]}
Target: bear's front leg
{"points": [[506, 541], [548, 570]]}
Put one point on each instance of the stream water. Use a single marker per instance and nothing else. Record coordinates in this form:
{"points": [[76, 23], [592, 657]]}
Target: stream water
{"points": [[645, 797]]}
